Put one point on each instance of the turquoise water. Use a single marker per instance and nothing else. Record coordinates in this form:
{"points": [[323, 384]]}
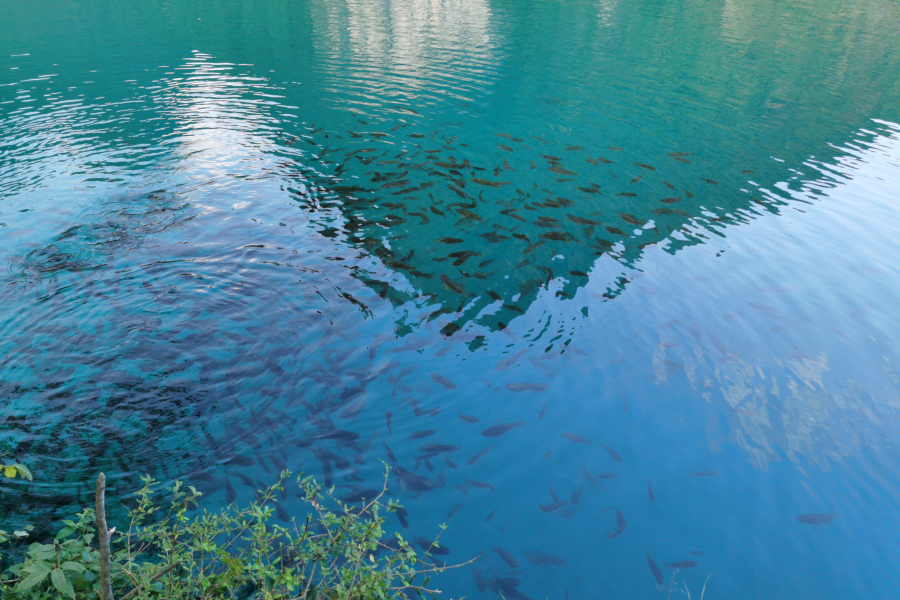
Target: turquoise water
{"points": [[239, 235]]}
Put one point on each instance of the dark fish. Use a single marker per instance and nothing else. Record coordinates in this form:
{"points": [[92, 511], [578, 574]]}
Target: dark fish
{"points": [[416, 435], [570, 148], [454, 510], [713, 182], [558, 236], [491, 516], [605, 161], [390, 452], [281, 512], [616, 231], [451, 286], [671, 200], [608, 475], [657, 574], [494, 184], [704, 474], [576, 497], [682, 564], [475, 458], [438, 448], [498, 430], [393, 184], [481, 484], [449, 240], [519, 386], [402, 513], [432, 548], [416, 483], [582, 221], [443, 381], [509, 137], [468, 419], [359, 494], [537, 557], [494, 238], [244, 479], [506, 557], [552, 507], [390, 418], [650, 491], [643, 166], [241, 461], [449, 462], [560, 171], [615, 455], [620, 525], [494, 295], [817, 518], [230, 494], [576, 438], [502, 147], [677, 154], [579, 273]]}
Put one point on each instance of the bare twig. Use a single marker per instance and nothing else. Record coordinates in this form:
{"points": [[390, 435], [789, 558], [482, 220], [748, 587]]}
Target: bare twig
{"points": [[103, 539]]}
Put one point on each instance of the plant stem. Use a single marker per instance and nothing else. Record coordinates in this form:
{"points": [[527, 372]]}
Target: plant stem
{"points": [[103, 539]]}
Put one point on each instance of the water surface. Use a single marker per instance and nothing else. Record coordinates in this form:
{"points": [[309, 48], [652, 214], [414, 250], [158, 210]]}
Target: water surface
{"points": [[239, 235]]}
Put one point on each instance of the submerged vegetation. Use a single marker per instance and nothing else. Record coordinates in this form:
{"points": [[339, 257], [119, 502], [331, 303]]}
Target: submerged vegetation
{"points": [[170, 550]]}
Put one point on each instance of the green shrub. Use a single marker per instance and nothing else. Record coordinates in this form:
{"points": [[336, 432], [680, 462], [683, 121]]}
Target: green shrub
{"points": [[337, 552]]}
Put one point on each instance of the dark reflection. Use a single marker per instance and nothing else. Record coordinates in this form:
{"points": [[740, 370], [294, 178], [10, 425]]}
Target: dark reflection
{"points": [[481, 239]]}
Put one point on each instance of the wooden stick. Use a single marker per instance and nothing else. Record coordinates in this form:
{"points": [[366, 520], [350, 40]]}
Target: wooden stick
{"points": [[103, 539]]}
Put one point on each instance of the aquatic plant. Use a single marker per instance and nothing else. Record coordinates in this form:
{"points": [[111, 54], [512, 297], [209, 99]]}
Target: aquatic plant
{"points": [[169, 550]]}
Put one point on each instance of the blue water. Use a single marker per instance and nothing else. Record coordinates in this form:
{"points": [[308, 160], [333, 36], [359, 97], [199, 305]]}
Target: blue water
{"points": [[236, 235]]}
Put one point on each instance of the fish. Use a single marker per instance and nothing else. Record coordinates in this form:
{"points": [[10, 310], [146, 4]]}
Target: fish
{"points": [[536, 557], [389, 417], [417, 435], [643, 166], [432, 547], [671, 200], [443, 381], [449, 462], [402, 513], [582, 220], [498, 430], [491, 516], [481, 453], [554, 506], [493, 184], [454, 510], [620, 525], [281, 512], [506, 557], [605, 161], [230, 493], [710, 181], [449, 240], [615, 455], [650, 491], [696, 552], [560, 171], [502, 147], [575, 498], [481, 484], [576, 438], [616, 231], [657, 574], [705, 474], [494, 295], [558, 236], [519, 386], [817, 518], [244, 479], [570, 148], [390, 452], [438, 448], [682, 564], [452, 286], [468, 419], [359, 493], [509, 137], [418, 484]]}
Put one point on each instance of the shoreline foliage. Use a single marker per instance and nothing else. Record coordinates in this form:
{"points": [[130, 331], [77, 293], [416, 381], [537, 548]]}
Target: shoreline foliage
{"points": [[172, 549]]}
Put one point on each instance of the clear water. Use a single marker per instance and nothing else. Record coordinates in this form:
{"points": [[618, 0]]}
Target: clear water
{"points": [[221, 228]]}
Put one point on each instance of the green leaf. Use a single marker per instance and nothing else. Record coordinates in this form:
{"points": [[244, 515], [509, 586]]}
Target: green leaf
{"points": [[65, 532], [23, 471], [10, 471], [73, 566], [58, 578], [38, 573]]}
